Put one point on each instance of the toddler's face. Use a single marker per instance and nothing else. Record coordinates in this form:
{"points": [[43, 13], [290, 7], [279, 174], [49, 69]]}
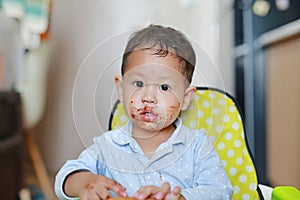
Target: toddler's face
{"points": [[153, 89]]}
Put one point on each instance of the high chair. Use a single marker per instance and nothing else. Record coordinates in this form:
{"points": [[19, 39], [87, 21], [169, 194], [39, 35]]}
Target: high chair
{"points": [[217, 113]]}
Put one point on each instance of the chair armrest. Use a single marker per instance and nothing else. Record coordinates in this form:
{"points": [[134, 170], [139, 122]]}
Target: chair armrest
{"points": [[285, 193], [266, 191], [279, 192]]}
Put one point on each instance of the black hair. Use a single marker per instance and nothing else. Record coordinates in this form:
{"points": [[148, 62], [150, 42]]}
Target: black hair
{"points": [[164, 41]]}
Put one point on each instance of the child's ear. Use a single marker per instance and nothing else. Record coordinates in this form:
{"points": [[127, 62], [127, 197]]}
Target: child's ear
{"points": [[118, 83], [188, 96]]}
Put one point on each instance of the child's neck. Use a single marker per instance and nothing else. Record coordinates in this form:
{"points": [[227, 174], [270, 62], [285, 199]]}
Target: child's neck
{"points": [[149, 141]]}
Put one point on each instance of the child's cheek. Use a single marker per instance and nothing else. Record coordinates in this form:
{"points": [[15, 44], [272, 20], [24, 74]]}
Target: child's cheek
{"points": [[132, 108], [173, 111]]}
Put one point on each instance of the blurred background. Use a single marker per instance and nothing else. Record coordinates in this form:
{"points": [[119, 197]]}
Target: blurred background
{"points": [[59, 58]]}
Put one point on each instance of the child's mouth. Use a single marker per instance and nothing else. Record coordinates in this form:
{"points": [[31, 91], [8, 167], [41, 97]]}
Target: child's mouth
{"points": [[148, 116]]}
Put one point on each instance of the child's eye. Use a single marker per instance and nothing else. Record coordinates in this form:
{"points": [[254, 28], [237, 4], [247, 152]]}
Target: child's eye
{"points": [[164, 87], [138, 83]]}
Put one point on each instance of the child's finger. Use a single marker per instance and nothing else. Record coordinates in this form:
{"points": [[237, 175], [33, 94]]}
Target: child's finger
{"points": [[117, 188], [103, 194], [165, 187], [146, 191], [176, 190], [174, 195], [164, 190]]}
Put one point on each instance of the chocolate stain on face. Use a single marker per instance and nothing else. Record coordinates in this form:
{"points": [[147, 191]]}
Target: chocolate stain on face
{"points": [[173, 111]]}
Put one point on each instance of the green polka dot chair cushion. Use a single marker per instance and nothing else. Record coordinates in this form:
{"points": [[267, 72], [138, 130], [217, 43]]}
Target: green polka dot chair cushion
{"points": [[216, 113]]}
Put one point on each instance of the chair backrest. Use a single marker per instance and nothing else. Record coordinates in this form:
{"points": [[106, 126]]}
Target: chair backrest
{"points": [[217, 113]]}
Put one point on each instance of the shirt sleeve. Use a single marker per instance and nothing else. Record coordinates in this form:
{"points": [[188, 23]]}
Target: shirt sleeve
{"points": [[210, 180], [87, 161]]}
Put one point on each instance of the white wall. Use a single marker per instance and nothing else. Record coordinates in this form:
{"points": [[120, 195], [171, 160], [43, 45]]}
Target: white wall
{"points": [[88, 39], [210, 25]]}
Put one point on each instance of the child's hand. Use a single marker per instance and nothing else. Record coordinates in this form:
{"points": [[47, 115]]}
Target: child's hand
{"points": [[87, 185], [163, 192]]}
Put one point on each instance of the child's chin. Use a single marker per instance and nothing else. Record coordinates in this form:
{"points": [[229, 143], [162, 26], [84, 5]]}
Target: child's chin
{"points": [[149, 125]]}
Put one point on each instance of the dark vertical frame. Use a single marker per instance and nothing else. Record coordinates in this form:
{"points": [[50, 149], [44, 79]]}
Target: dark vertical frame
{"points": [[248, 65], [260, 115]]}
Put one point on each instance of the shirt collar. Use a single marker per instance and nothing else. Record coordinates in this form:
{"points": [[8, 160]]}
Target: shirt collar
{"points": [[126, 134], [178, 136], [123, 136]]}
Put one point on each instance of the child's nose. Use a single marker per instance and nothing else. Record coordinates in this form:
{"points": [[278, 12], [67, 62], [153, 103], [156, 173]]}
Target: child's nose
{"points": [[149, 95]]}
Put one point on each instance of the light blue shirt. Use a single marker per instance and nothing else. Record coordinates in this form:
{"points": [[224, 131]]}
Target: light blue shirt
{"points": [[187, 159]]}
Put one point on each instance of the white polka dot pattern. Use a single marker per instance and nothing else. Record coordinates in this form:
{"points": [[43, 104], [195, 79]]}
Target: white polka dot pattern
{"points": [[217, 114]]}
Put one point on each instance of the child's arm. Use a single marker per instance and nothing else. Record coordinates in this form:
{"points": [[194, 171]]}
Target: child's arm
{"points": [[210, 179], [77, 177], [87, 185]]}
